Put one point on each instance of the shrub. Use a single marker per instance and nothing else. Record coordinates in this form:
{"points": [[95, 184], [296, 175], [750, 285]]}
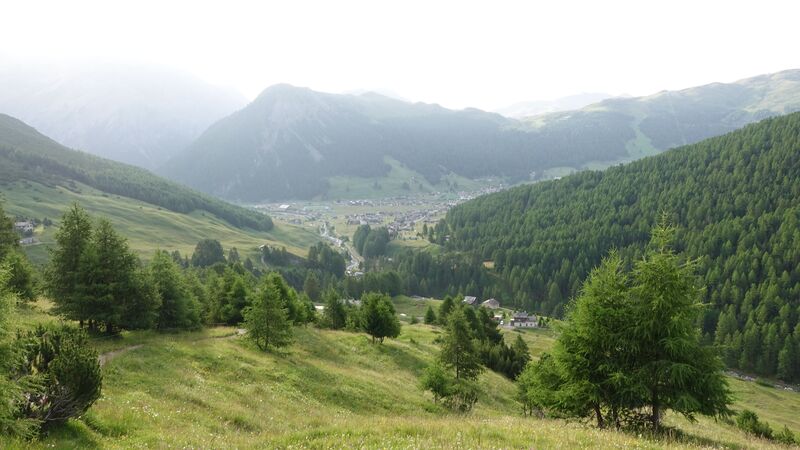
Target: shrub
{"points": [[748, 421], [786, 436], [59, 372], [462, 395], [437, 380]]}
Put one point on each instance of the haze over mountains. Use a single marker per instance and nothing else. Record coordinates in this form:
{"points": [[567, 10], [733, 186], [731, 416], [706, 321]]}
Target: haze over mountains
{"points": [[290, 141], [521, 110], [136, 114]]}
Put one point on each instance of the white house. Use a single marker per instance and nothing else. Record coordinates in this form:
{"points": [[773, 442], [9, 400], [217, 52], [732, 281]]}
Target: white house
{"points": [[521, 319]]}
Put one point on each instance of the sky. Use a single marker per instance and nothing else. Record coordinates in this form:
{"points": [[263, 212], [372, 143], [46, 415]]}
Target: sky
{"points": [[486, 54]]}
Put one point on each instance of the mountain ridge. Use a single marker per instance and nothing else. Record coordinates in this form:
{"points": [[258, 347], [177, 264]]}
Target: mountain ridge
{"points": [[290, 141]]}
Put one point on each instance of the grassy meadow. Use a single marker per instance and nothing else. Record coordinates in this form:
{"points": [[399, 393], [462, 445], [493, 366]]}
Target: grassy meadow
{"points": [[146, 227], [335, 389]]}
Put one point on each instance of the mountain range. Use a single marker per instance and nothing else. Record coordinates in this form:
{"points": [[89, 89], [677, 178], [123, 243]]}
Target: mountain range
{"points": [[290, 141]]}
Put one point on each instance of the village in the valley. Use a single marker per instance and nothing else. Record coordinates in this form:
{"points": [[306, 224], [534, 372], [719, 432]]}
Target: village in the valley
{"points": [[404, 217]]}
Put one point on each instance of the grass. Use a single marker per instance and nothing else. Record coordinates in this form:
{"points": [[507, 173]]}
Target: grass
{"points": [[417, 307], [146, 227], [393, 184], [334, 389]]}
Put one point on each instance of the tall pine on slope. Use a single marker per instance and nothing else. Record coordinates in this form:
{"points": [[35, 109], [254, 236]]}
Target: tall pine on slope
{"points": [[592, 347], [458, 349], [670, 365], [64, 272], [95, 278], [267, 319], [107, 286], [631, 344]]}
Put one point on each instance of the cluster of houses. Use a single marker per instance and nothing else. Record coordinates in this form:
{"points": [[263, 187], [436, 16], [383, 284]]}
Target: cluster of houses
{"points": [[520, 319], [25, 229]]}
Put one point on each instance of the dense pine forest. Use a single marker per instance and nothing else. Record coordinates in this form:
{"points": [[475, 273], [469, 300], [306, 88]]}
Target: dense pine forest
{"points": [[25, 154], [735, 200]]}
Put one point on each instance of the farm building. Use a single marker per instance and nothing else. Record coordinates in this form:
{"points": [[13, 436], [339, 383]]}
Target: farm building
{"points": [[491, 304], [521, 319]]}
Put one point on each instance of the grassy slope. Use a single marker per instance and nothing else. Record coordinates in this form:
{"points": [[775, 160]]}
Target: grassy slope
{"points": [[391, 184], [335, 389], [147, 227]]}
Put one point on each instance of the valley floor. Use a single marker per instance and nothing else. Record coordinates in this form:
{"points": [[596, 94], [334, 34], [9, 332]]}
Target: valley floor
{"points": [[334, 389]]}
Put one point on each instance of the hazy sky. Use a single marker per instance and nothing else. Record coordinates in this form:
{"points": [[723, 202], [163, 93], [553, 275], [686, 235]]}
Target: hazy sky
{"points": [[457, 53]]}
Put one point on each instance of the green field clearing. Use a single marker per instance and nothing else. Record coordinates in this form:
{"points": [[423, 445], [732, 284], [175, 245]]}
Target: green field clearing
{"points": [[146, 227]]}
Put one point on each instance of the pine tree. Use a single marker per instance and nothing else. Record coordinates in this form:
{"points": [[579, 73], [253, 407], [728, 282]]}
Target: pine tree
{"points": [[444, 309], [179, 308], [458, 350], [334, 315], [671, 365], [430, 316], [378, 316], [311, 287], [64, 272], [21, 281], [591, 349], [207, 253], [8, 237], [233, 256], [107, 285], [522, 355], [266, 319]]}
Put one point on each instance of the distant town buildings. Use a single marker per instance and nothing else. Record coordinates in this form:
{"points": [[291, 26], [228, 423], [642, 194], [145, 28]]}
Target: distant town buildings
{"points": [[471, 301]]}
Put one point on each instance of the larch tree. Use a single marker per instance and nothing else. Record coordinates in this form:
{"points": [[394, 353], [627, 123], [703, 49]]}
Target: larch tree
{"points": [[107, 278], [671, 365], [179, 308], [592, 348], [266, 319], [378, 317], [63, 275], [430, 316], [458, 349]]}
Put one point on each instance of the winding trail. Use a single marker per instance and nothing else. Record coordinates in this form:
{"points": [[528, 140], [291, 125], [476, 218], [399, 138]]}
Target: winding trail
{"points": [[104, 358], [108, 356]]}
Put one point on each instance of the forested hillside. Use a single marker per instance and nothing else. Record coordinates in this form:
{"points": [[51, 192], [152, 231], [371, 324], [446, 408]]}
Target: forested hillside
{"points": [[290, 141], [25, 154], [735, 200]]}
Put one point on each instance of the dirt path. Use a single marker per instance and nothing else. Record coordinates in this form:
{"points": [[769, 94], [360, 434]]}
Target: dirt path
{"points": [[108, 356]]}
